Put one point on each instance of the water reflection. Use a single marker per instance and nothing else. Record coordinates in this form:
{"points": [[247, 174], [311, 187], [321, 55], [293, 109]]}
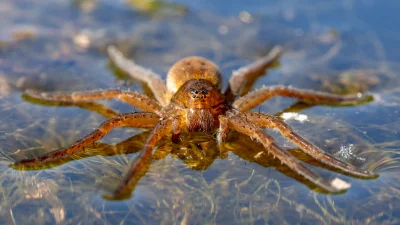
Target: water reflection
{"points": [[197, 150]]}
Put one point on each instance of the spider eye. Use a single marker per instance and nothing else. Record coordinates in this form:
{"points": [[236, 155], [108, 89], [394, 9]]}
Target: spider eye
{"points": [[193, 91], [204, 91]]}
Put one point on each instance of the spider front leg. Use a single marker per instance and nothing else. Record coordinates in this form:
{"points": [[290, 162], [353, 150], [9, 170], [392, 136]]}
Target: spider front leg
{"points": [[139, 73], [241, 125], [140, 165], [138, 120], [139, 101], [257, 97], [263, 120]]}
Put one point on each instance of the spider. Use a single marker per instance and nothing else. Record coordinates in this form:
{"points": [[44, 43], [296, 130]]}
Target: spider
{"points": [[192, 101]]}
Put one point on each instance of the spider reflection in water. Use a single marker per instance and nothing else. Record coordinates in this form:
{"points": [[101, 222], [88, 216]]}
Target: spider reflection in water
{"points": [[191, 101]]}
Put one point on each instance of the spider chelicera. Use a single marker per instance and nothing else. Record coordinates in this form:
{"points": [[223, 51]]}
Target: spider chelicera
{"points": [[191, 101]]}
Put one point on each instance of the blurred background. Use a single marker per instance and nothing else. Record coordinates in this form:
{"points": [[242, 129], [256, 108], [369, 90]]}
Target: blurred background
{"points": [[344, 47]]}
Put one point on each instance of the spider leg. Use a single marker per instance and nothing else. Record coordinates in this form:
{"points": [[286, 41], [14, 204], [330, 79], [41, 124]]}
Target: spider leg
{"points": [[142, 162], [127, 146], [92, 106], [250, 72], [243, 126], [139, 73], [139, 101], [257, 97], [263, 120], [139, 120]]}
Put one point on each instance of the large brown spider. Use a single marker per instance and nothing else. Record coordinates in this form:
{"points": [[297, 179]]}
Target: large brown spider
{"points": [[191, 101]]}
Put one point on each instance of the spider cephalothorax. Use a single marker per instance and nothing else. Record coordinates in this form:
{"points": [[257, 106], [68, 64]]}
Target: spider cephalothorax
{"points": [[191, 101], [202, 104]]}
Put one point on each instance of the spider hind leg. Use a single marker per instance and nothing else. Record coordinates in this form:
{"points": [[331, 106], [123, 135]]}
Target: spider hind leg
{"points": [[139, 73]]}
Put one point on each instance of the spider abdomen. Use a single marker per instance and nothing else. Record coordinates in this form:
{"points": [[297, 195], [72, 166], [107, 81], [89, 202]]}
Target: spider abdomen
{"points": [[192, 68]]}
